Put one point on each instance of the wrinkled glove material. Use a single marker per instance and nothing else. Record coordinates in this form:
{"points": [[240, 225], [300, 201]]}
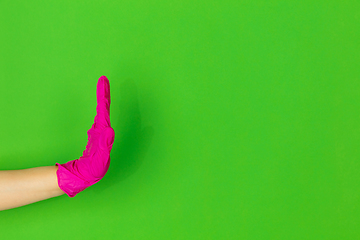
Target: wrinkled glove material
{"points": [[76, 175]]}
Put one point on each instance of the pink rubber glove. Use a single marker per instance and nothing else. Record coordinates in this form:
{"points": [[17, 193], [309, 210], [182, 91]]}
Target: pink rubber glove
{"points": [[76, 175]]}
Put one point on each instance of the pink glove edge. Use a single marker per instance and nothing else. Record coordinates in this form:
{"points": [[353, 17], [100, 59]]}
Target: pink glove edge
{"points": [[62, 174]]}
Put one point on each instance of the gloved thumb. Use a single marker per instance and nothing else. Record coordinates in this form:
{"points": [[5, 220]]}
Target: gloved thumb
{"points": [[106, 139]]}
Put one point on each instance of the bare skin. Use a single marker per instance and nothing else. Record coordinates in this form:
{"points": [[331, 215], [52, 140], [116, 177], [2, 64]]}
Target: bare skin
{"points": [[22, 187]]}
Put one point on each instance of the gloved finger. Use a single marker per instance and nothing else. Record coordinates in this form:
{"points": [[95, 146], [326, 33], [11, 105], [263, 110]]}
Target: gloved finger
{"points": [[102, 118]]}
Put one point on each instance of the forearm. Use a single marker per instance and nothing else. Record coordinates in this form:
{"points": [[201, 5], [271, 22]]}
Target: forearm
{"points": [[22, 187]]}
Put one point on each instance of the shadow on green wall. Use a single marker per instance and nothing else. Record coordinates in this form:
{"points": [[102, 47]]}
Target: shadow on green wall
{"points": [[131, 139]]}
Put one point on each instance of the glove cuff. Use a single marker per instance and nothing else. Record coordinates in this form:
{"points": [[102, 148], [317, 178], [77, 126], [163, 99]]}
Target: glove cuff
{"points": [[69, 182]]}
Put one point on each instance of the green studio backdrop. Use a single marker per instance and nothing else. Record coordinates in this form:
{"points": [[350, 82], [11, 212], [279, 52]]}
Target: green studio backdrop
{"points": [[233, 119]]}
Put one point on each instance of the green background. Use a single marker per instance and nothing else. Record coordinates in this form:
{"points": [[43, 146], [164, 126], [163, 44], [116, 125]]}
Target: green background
{"points": [[233, 119]]}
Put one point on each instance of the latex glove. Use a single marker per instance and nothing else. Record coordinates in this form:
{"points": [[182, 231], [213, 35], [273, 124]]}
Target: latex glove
{"points": [[76, 175]]}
